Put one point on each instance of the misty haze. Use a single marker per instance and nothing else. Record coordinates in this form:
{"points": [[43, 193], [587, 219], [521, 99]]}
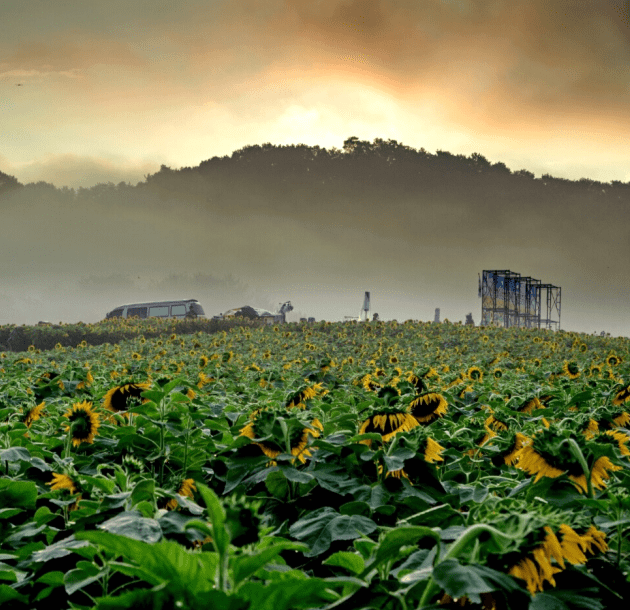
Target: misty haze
{"points": [[317, 227]]}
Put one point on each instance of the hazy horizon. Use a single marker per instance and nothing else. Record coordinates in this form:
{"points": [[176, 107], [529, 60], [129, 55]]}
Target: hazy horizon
{"points": [[108, 93]]}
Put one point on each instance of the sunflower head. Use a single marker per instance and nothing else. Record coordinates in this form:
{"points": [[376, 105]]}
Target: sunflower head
{"points": [[613, 360], [571, 369], [83, 423], [432, 451], [512, 443], [549, 455], [267, 432], [62, 481], [616, 438], [417, 378], [33, 414], [621, 419], [369, 383], [387, 423], [530, 405], [590, 428], [299, 398], [428, 407], [622, 395], [121, 398], [132, 463], [186, 489], [475, 373]]}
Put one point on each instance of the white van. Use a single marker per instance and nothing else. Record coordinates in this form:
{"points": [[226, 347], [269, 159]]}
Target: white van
{"points": [[159, 309]]}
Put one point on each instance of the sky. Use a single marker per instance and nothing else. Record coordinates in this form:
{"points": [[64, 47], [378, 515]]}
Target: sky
{"points": [[108, 92], [97, 92]]}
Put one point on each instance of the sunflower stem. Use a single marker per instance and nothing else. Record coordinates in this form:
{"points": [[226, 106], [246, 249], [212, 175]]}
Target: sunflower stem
{"points": [[188, 428], [162, 426], [579, 456], [66, 447]]}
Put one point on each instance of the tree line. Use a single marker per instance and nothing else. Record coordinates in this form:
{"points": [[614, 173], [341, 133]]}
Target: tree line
{"points": [[388, 164]]}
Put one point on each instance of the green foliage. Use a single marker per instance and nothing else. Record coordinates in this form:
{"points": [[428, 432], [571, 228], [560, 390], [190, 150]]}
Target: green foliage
{"points": [[213, 489]]}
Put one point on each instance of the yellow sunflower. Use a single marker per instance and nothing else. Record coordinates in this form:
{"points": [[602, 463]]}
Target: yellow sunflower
{"points": [[622, 395], [33, 414], [121, 398], [475, 373], [613, 360], [204, 380], [433, 451], [511, 456], [299, 448], [298, 399], [621, 440], [571, 369], [83, 423], [591, 429], [299, 444], [62, 481], [416, 381], [428, 407], [622, 419], [495, 424], [530, 405], [565, 546], [545, 458], [397, 474], [387, 425], [186, 489], [369, 384]]}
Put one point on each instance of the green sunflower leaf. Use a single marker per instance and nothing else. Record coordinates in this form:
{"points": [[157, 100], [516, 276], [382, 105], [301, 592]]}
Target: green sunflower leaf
{"points": [[277, 484], [9, 594], [349, 561], [17, 494], [542, 601], [247, 565], [325, 525], [133, 525]]}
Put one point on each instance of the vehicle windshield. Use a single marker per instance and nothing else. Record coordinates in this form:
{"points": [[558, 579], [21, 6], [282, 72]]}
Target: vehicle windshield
{"points": [[198, 309]]}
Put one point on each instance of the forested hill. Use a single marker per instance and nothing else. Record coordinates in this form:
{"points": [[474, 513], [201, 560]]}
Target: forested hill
{"points": [[360, 166]]}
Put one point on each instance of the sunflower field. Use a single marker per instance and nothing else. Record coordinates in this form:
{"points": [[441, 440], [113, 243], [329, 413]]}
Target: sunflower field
{"points": [[332, 465]]}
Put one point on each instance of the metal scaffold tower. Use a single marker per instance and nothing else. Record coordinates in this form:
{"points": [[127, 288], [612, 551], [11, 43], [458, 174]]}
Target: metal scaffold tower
{"points": [[553, 299], [508, 300]]}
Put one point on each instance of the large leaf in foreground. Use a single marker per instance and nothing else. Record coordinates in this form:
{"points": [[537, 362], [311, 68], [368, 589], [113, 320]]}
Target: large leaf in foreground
{"points": [[325, 525], [163, 562]]}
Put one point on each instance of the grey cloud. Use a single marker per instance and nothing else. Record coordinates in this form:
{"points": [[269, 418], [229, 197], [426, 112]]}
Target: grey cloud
{"points": [[81, 171]]}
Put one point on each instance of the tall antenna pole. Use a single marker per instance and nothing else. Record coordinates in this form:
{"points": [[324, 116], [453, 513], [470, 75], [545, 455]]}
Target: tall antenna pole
{"points": [[366, 306]]}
